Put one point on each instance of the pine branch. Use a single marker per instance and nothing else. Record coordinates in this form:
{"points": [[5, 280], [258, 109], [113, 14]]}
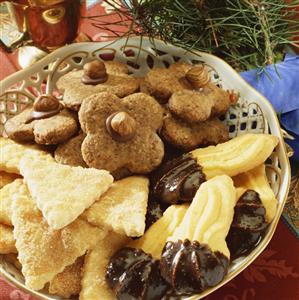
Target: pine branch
{"points": [[247, 33]]}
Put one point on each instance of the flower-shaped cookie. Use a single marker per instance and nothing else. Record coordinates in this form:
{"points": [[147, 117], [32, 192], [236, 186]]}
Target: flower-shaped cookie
{"points": [[47, 122], [190, 94], [161, 83], [121, 133], [96, 77], [186, 136]]}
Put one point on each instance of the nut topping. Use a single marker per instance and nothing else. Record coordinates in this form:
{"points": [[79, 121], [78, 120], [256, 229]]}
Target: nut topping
{"points": [[45, 106], [121, 126], [46, 103], [233, 97], [94, 72], [198, 76]]}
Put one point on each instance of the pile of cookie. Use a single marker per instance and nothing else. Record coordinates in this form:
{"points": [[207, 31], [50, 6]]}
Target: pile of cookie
{"points": [[81, 177], [105, 111]]}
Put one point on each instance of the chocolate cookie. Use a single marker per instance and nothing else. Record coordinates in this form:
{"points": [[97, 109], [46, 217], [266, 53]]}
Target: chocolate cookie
{"points": [[96, 77], [46, 122], [121, 133], [69, 153], [189, 136]]}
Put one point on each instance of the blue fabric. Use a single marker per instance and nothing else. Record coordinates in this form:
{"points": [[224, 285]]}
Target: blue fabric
{"points": [[290, 121], [280, 84]]}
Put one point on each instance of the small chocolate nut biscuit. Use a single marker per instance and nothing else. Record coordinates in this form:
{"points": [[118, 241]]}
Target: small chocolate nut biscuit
{"points": [[196, 106], [17, 129], [180, 68], [220, 99], [188, 137], [190, 106], [115, 67], [42, 124], [69, 153], [121, 133], [142, 85], [78, 85], [179, 77], [162, 83]]}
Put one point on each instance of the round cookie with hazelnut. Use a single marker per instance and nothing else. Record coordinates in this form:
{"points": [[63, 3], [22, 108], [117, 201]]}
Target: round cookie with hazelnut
{"points": [[96, 77], [121, 133], [47, 122]]}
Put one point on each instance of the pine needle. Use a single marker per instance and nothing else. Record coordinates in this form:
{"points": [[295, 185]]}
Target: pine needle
{"points": [[247, 33]]}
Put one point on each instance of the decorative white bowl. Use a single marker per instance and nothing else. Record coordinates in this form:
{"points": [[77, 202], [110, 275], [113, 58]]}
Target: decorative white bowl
{"points": [[253, 113]]}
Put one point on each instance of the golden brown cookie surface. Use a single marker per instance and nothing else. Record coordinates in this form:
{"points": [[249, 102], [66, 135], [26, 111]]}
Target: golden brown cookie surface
{"points": [[122, 208], [69, 153], [7, 241], [162, 83], [121, 133], [6, 178], [52, 130], [68, 282], [118, 82], [36, 242], [187, 137], [190, 106]]}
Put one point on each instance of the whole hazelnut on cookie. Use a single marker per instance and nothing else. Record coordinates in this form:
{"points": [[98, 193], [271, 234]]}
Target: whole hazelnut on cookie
{"points": [[96, 77], [45, 122], [198, 76], [94, 72], [121, 126], [121, 133], [46, 103]]}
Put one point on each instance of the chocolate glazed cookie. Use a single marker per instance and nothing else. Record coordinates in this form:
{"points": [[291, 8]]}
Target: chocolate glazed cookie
{"points": [[249, 224], [196, 256], [191, 267], [177, 180], [135, 275]]}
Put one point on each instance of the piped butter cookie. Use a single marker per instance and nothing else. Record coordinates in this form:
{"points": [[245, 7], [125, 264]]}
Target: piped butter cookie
{"points": [[238, 155], [196, 256]]}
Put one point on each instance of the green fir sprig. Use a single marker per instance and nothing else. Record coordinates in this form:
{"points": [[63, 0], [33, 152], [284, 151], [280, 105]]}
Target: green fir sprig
{"points": [[247, 33]]}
